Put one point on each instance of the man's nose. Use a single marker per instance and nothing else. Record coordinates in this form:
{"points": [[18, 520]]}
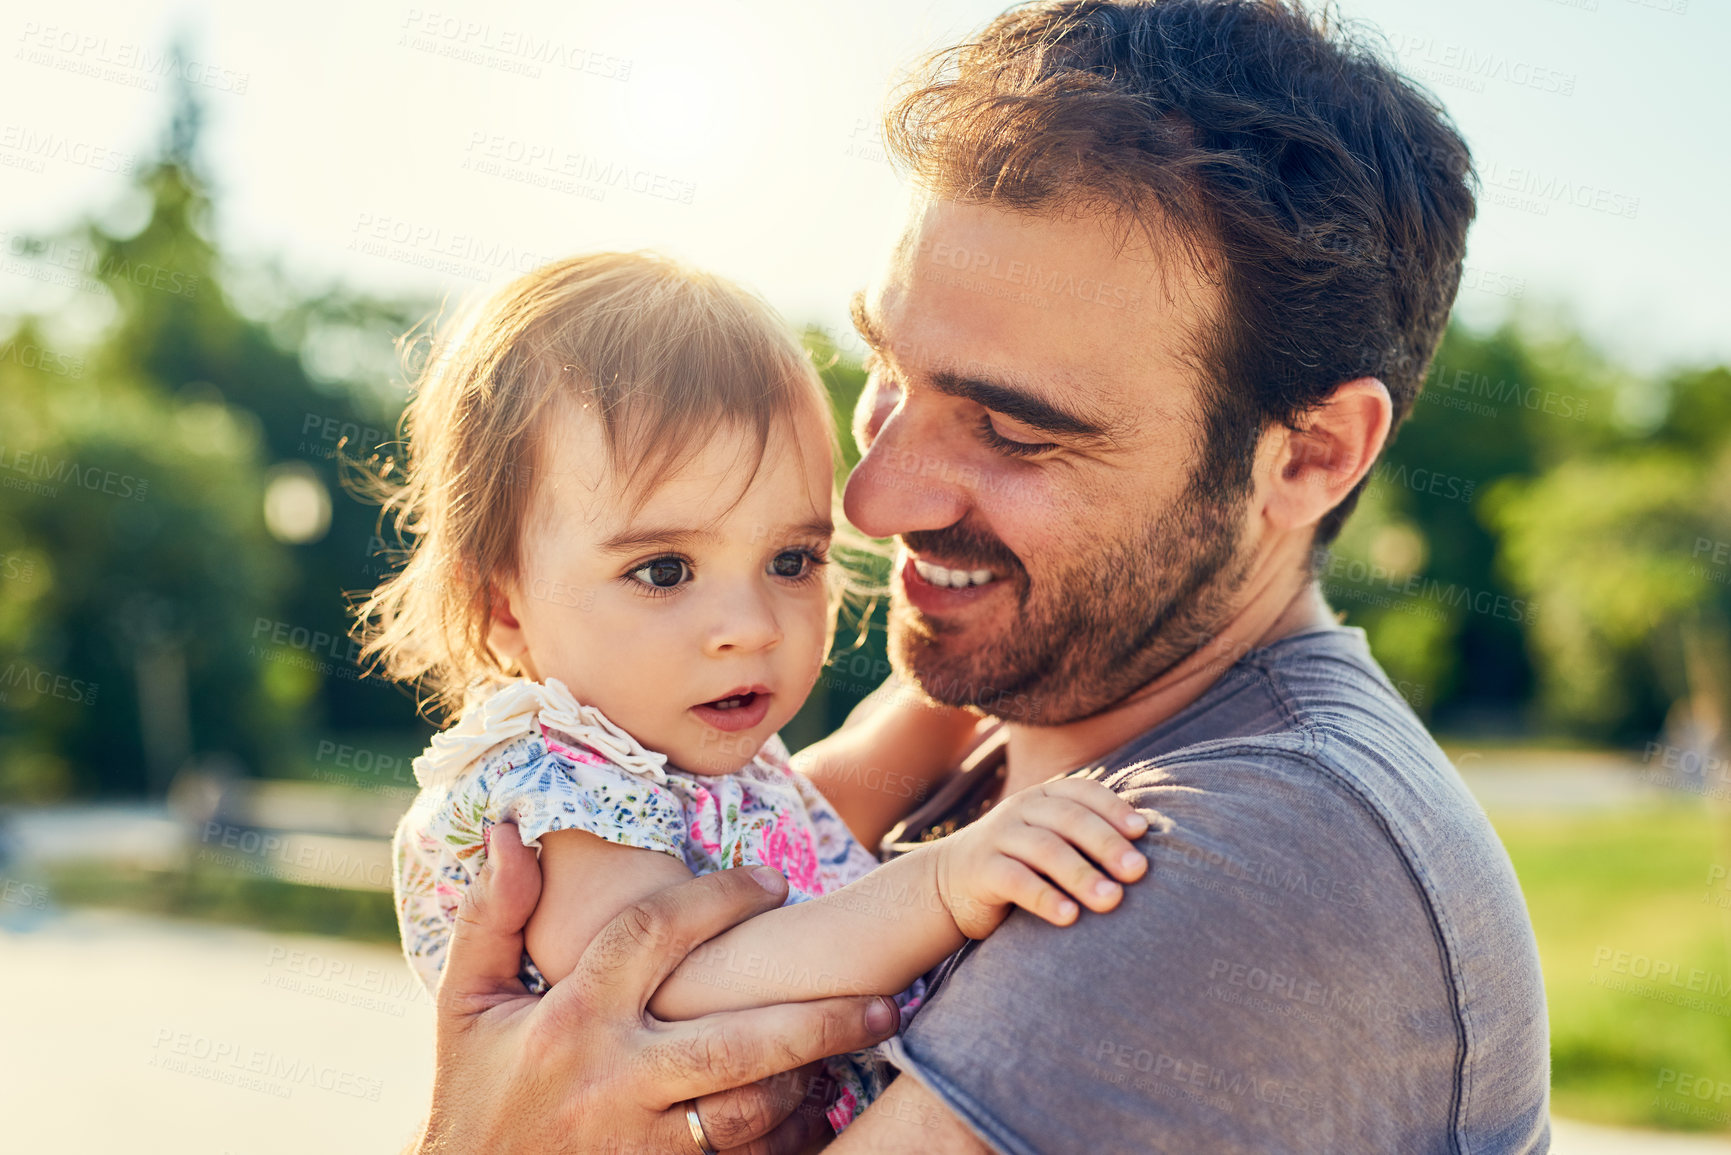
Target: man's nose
{"points": [[744, 622], [905, 482]]}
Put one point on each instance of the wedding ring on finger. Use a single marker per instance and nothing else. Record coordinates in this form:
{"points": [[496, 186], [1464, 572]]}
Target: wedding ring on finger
{"points": [[696, 1125]]}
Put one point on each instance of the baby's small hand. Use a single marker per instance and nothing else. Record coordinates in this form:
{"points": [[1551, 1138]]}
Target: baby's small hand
{"points": [[1053, 829]]}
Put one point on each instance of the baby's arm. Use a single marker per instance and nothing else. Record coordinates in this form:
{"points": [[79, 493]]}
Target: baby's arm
{"points": [[884, 761], [875, 935]]}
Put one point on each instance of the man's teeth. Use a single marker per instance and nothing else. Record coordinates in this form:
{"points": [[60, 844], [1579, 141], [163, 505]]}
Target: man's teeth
{"points": [[944, 577]]}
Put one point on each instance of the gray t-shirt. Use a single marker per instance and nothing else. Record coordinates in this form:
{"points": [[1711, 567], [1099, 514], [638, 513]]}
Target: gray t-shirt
{"points": [[1329, 952]]}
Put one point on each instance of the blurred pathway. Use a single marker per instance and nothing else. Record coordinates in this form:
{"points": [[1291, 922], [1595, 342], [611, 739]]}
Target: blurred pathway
{"points": [[142, 1035]]}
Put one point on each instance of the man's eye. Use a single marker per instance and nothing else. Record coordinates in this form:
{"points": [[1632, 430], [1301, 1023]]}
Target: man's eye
{"points": [[1009, 445], [662, 573]]}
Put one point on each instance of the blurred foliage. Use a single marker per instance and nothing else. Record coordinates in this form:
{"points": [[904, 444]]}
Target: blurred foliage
{"points": [[1542, 526], [146, 613], [1533, 553], [218, 894]]}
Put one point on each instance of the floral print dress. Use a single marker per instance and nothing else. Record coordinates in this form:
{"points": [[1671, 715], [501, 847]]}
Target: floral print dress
{"points": [[531, 754]]}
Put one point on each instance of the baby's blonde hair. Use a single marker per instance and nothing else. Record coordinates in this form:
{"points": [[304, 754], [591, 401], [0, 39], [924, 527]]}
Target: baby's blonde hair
{"points": [[666, 356]]}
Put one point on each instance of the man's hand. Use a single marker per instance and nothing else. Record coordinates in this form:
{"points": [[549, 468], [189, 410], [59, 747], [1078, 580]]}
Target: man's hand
{"points": [[586, 1068]]}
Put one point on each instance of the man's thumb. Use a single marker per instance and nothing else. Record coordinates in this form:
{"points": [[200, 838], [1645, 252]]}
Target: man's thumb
{"points": [[487, 941]]}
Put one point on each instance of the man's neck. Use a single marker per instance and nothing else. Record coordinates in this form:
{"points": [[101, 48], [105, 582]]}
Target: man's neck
{"points": [[1036, 753]]}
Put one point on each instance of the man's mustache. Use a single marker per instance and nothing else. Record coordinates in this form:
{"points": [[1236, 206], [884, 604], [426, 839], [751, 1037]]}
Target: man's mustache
{"points": [[963, 547]]}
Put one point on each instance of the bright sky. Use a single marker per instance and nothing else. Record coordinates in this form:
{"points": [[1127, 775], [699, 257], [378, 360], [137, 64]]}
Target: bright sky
{"points": [[396, 147]]}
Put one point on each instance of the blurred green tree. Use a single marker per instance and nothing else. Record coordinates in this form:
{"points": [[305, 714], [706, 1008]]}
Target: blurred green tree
{"points": [[150, 610], [1629, 545]]}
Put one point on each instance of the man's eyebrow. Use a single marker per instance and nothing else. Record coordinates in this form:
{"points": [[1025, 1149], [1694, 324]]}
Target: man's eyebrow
{"points": [[863, 322], [1017, 404], [635, 538], [1012, 401]]}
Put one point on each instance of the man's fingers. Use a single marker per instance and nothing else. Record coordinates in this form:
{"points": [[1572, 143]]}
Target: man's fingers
{"points": [[740, 1119], [808, 1091], [486, 949], [737, 1047], [630, 956], [768, 1117]]}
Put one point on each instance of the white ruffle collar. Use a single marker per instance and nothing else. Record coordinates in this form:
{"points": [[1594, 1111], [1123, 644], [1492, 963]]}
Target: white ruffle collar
{"points": [[522, 707]]}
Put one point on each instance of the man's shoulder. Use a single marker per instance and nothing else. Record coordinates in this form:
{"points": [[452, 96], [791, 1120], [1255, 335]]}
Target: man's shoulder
{"points": [[1319, 682], [1323, 898], [1311, 715]]}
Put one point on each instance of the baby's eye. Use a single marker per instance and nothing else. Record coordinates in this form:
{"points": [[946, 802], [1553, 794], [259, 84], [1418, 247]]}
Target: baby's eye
{"points": [[793, 563], [662, 573]]}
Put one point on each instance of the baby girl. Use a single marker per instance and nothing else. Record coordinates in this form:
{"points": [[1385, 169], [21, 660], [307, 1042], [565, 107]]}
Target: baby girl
{"points": [[619, 489]]}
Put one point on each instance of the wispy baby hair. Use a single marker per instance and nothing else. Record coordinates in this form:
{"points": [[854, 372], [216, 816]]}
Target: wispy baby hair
{"points": [[664, 355]]}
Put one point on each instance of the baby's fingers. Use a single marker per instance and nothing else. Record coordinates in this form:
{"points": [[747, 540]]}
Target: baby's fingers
{"points": [[1087, 831], [1043, 850], [1102, 801], [1013, 881]]}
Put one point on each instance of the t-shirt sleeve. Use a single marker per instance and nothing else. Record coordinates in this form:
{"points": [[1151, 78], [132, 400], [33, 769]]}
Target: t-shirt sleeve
{"points": [[1271, 984], [577, 790]]}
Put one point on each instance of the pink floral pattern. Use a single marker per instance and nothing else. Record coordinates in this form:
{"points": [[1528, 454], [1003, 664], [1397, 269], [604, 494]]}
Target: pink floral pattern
{"points": [[546, 779]]}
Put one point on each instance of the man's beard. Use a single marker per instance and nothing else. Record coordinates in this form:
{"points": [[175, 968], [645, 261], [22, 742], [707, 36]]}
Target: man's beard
{"points": [[1094, 631]]}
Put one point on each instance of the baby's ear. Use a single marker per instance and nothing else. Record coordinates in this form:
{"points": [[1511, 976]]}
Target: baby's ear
{"points": [[505, 635]]}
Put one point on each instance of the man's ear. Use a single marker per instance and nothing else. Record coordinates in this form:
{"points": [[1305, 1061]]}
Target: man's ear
{"points": [[505, 633], [1313, 469]]}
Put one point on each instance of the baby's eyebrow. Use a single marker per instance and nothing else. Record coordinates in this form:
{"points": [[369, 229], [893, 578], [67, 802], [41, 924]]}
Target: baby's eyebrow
{"points": [[817, 527], [635, 538]]}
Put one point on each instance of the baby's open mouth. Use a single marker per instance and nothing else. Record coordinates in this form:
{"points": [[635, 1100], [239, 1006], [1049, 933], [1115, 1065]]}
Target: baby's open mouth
{"points": [[739, 709]]}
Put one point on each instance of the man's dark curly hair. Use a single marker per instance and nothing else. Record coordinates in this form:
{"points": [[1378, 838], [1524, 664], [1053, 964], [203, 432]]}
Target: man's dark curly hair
{"points": [[1276, 145]]}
